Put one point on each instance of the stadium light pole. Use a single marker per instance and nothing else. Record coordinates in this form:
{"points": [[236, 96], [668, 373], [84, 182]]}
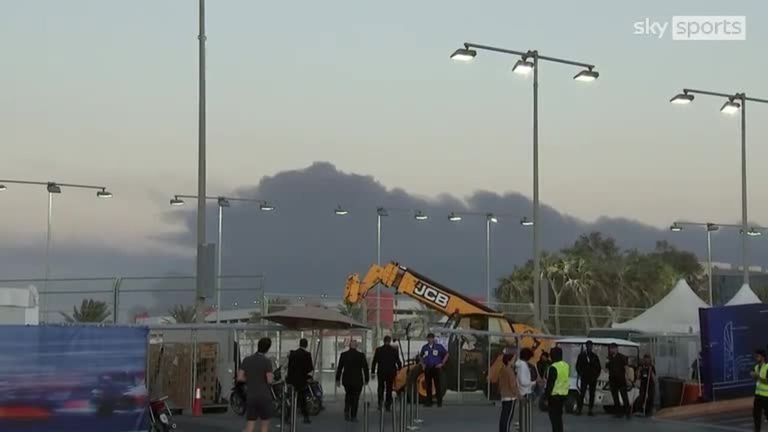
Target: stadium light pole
{"points": [[201, 167], [53, 188], [734, 103], [710, 228], [490, 218], [221, 201], [381, 212], [529, 62]]}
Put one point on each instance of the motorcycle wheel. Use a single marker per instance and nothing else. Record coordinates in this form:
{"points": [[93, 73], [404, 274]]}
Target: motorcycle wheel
{"points": [[237, 404]]}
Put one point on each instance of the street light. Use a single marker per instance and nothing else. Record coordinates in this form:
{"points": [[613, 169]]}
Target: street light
{"points": [[221, 202], [453, 217], [54, 188], [734, 103], [529, 61], [711, 227], [381, 212], [526, 222]]}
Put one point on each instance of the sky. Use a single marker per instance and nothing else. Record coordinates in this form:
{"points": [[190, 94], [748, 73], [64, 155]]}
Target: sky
{"points": [[105, 92]]}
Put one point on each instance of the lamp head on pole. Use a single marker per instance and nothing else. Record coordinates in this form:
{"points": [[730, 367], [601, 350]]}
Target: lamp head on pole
{"points": [[104, 194], [222, 202], [526, 222], [523, 67], [682, 99], [381, 211], [453, 217], [712, 227], [340, 211], [490, 217], [53, 188], [265, 206], [419, 216], [730, 107], [2, 187], [676, 227], [587, 75], [464, 55]]}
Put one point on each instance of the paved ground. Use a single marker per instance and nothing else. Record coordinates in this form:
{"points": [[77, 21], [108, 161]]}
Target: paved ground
{"points": [[460, 418], [733, 421]]}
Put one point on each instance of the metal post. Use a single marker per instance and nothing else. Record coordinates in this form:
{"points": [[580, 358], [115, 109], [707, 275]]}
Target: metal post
{"points": [[744, 220], [282, 403], [219, 249], [377, 339], [294, 403], [336, 359], [366, 404], [417, 402], [193, 333], [536, 221], [709, 265], [458, 369], [116, 299], [412, 404], [201, 169], [48, 241], [488, 294], [394, 415]]}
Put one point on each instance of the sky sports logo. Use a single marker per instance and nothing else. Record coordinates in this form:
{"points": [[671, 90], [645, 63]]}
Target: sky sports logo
{"points": [[695, 28]]}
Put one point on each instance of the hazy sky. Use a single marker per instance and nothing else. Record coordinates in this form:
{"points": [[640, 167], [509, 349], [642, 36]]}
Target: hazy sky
{"points": [[104, 92]]}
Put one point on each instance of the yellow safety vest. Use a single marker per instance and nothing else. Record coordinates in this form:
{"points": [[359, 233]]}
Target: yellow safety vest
{"points": [[563, 381], [761, 389]]}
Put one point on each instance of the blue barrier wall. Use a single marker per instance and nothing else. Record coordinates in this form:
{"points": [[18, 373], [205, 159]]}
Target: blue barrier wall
{"points": [[73, 378], [729, 337]]}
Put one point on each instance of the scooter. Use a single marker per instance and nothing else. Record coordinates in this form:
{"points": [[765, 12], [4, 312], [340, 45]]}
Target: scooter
{"points": [[160, 416]]}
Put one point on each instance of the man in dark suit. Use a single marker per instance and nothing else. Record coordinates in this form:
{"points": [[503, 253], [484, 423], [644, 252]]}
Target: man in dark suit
{"points": [[352, 372], [300, 368], [588, 368], [388, 361]]}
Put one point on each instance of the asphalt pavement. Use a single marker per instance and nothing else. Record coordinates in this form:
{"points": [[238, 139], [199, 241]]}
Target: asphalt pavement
{"points": [[463, 417]]}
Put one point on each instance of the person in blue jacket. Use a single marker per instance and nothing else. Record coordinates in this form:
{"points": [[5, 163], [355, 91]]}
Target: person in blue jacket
{"points": [[433, 358]]}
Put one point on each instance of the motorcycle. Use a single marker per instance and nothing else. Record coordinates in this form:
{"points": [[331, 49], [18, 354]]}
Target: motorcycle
{"points": [[160, 416], [238, 396]]}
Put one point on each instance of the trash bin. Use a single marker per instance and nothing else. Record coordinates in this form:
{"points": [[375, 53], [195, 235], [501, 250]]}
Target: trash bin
{"points": [[671, 390]]}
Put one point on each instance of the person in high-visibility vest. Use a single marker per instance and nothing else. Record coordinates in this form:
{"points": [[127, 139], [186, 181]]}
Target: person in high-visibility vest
{"points": [[558, 386], [760, 375]]}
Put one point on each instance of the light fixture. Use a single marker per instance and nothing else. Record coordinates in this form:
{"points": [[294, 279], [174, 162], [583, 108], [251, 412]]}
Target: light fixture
{"points": [[104, 194], [266, 207], [492, 218], [453, 217], [730, 107], [712, 227], [464, 54], [177, 202], [754, 232], [587, 75], [340, 211], [419, 216], [2, 187], [526, 222], [682, 99], [53, 188], [222, 201], [522, 67], [381, 211], [675, 227]]}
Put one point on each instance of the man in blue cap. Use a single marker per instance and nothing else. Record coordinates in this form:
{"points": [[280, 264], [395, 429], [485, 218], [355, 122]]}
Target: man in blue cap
{"points": [[433, 358]]}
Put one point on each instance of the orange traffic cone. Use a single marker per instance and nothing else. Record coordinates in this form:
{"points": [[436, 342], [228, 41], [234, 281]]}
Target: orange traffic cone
{"points": [[197, 408]]}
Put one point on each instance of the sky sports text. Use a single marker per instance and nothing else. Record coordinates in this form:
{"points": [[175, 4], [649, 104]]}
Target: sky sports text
{"points": [[696, 28]]}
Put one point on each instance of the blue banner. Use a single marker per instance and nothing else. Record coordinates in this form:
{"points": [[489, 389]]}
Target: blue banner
{"points": [[729, 337], [73, 378]]}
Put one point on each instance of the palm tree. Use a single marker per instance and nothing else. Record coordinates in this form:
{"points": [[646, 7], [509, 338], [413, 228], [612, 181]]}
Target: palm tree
{"points": [[181, 314], [90, 311]]}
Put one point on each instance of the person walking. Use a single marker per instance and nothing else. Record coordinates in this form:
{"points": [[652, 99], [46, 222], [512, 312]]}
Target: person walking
{"points": [[387, 360], [300, 368], [617, 380], [760, 375], [527, 376], [647, 376], [433, 358], [352, 372], [558, 385], [509, 391], [588, 369], [256, 372]]}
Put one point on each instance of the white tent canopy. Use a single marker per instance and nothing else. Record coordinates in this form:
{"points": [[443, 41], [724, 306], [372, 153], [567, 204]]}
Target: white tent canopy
{"points": [[744, 296], [678, 312]]}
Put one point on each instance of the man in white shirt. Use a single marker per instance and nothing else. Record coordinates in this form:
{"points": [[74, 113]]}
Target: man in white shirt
{"points": [[525, 384]]}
